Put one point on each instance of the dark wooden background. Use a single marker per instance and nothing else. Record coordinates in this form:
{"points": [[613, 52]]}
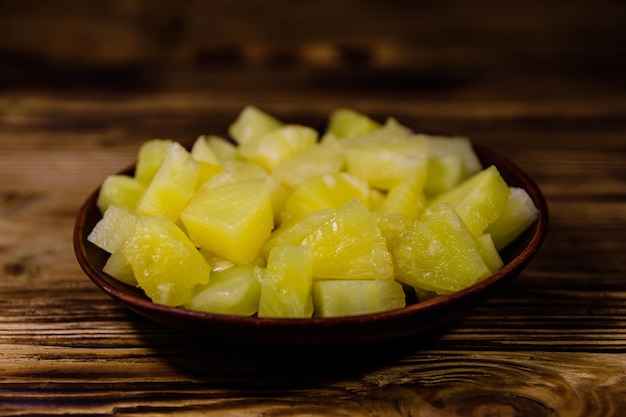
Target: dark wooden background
{"points": [[83, 84]]}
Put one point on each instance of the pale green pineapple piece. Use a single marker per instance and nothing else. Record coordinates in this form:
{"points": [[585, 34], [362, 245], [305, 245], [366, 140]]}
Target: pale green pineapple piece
{"points": [[122, 191], [444, 173], [489, 253], [324, 158], [326, 191], [340, 298], [518, 214], [252, 122], [172, 186], [234, 291], [209, 164], [286, 283], [113, 229], [279, 193], [167, 266], [388, 156], [232, 220], [268, 149], [348, 123], [223, 149], [438, 253], [479, 200], [118, 267], [439, 146], [349, 245], [150, 156], [390, 131], [451, 160], [202, 152]]}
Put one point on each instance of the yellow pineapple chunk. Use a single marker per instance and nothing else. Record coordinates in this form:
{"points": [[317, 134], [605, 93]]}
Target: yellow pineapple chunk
{"points": [[387, 162], [270, 148], [252, 122], [392, 226], [349, 245], [489, 253], [294, 232], [325, 158], [479, 200], [404, 199], [348, 123], [167, 266], [172, 186], [326, 191], [234, 171], [232, 220], [223, 149], [438, 253], [286, 283]]}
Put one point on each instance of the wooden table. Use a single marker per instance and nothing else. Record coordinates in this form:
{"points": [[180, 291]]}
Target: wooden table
{"points": [[551, 344]]}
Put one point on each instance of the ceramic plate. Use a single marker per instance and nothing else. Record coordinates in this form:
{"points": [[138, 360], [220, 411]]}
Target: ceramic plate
{"points": [[409, 321]]}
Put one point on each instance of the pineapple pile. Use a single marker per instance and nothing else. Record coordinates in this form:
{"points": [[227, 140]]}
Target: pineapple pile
{"points": [[288, 223]]}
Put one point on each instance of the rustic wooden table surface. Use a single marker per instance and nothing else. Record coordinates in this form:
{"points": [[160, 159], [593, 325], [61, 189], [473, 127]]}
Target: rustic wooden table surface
{"points": [[82, 87]]}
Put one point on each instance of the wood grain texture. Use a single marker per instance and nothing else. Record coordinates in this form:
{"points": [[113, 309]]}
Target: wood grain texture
{"points": [[89, 82]]}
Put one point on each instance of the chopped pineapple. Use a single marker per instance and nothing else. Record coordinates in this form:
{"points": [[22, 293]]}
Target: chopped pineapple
{"points": [[269, 149], [121, 191], [392, 226], [361, 215], [118, 267], [347, 123], [438, 253], [165, 263], [294, 232], [150, 156], [286, 283], [338, 298], [479, 200], [172, 186], [349, 245], [451, 160], [387, 163], [327, 158], [232, 220], [489, 253], [208, 162], [234, 291], [113, 229], [326, 191], [233, 171], [223, 149], [404, 199], [250, 123], [518, 213]]}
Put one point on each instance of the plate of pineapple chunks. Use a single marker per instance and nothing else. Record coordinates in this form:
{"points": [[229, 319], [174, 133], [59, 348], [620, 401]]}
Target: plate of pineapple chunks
{"points": [[278, 233]]}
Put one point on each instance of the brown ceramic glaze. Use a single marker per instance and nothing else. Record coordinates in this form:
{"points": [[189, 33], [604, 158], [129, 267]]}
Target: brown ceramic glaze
{"points": [[409, 321]]}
